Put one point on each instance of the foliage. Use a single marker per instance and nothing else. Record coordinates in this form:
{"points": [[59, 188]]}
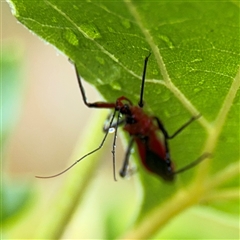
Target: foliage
{"points": [[194, 68]]}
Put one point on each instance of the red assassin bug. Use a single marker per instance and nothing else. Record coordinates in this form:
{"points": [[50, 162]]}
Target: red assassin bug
{"points": [[144, 131]]}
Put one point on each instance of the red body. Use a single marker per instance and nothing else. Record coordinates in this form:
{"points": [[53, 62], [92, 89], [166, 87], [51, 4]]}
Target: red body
{"points": [[150, 141]]}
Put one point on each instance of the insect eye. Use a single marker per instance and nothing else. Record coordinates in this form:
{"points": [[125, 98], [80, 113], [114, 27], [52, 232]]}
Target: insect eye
{"points": [[125, 109]]}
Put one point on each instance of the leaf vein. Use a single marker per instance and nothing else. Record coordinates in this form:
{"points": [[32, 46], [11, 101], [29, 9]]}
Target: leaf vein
{"points": [[92, 39], [168, 83]]}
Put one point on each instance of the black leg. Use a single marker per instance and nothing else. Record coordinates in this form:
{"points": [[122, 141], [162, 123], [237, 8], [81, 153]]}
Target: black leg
{"points": [[141, 102], [95, 104], [166, 137], [193, 164], [123, 171], [164, 131]]}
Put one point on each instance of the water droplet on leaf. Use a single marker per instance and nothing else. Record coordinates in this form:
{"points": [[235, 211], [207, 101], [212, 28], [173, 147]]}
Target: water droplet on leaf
{"points": [[197, 90], [126, 24], [71, 38], [100, 60], [90, 30], [116, 86], [167, 40]]}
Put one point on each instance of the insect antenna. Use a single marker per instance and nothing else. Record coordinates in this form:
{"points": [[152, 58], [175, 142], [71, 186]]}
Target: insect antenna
{"points": [[114, 145], [141, 103], [93, 151]]}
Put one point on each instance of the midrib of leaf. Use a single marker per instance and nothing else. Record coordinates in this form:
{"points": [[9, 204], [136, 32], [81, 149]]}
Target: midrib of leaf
{"points": [[227, 103], [217, 126]]}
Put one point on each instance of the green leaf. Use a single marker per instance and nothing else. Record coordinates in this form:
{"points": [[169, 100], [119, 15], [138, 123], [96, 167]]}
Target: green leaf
{"points": [[194, 68]]}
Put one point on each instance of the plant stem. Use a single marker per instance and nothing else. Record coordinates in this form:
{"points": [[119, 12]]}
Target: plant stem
{"points": [[162, 214]]}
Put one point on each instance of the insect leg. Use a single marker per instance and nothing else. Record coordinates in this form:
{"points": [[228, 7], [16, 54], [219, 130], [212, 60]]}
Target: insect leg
{"points": [[193, 164], [164, 131], [123, 171], [95, 104], [166, 136], [141, 103]]}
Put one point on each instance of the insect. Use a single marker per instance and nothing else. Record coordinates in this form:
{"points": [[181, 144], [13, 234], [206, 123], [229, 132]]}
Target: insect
{"points": [[144, 130]]}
